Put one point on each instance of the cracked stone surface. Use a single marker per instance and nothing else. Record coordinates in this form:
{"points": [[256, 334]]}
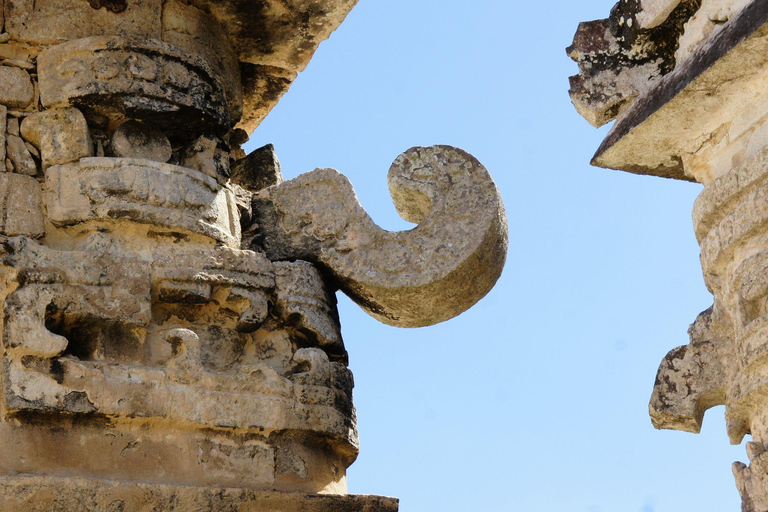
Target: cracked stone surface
{"points": [[170, 335]]}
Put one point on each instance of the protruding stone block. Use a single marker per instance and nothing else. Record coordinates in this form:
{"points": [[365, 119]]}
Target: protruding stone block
{"points": [[257, 171], [60, 134], [408, 278]]}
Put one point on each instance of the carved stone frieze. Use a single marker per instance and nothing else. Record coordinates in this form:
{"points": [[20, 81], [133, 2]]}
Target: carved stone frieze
{"points": [[153, 193]]}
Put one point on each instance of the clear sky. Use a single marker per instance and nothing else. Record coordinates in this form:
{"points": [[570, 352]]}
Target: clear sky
{"points": [[537, 398]]}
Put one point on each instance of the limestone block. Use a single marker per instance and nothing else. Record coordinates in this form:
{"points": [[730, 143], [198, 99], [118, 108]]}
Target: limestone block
{"points": [[263, 86], [259, 170], [120, 77], [61, 135], [162, 453], [307, 303], [142, 191], [413, 278], [49, 22], [16, 89], [12, 126], [315, 365], [17, 152], [3, 132], [42, 494], [21, 204], [198, 33], [277, 33]]}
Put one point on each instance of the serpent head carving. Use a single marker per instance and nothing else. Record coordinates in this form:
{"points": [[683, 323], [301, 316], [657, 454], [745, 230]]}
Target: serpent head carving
{"points": [[413, 278]]}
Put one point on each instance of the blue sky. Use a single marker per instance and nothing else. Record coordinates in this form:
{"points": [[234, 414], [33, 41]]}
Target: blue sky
{"points": [[537, 398]]}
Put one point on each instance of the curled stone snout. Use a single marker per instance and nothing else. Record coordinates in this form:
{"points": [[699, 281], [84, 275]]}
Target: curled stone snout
{"points": [[413, 278]]}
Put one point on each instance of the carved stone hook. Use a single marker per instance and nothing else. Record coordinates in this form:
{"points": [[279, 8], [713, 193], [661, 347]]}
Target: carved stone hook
{"points": [[413, 278]]}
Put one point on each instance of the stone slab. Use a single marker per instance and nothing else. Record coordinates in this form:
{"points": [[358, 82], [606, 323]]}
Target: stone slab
{"points": [[669, 120], [38, 494]]}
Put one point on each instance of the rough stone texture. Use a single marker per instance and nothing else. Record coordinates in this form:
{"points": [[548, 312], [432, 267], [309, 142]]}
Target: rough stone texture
{"points": [[29, 494], [707, 120], [622, 56], [121, 78], [257, 171], [134, 139], [164, 347], [50, 22], [409, 279], [3, 132], [198, 33], [21, 206], [19, 155], [144, 191], [304, 299], [61, 135], [16, 89]]}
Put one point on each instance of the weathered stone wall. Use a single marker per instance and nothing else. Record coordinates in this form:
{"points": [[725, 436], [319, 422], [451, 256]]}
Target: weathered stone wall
{"points": [[168, 316]]}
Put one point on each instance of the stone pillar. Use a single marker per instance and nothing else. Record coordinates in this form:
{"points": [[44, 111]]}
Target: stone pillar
{"points": [[170, 338], [703, 116]]}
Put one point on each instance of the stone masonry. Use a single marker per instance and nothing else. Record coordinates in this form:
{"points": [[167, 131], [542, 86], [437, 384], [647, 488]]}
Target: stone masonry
{"points": [[170, 338], [685, 81]]}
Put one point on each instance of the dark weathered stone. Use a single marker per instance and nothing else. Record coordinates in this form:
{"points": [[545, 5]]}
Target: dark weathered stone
{"points": [[259, 170]]}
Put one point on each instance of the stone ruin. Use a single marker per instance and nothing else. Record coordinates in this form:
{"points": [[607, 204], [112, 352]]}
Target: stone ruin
{"points": [[685, 82], [170, 338]]}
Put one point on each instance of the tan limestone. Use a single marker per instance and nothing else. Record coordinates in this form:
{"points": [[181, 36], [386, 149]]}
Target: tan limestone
{"points": [[169, 336]]}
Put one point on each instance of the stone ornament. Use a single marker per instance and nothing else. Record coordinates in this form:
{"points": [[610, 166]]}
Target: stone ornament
{"points": [[170, 336], [408, 279]]}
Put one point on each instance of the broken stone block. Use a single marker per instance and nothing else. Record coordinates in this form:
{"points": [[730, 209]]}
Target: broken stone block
{"points": [[21, 195], [258, 170], [17, 151], [16, 89], [61, 135]]}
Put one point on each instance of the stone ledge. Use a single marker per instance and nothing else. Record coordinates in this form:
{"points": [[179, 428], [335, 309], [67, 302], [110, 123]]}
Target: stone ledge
{"points": [[52, 494]]}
